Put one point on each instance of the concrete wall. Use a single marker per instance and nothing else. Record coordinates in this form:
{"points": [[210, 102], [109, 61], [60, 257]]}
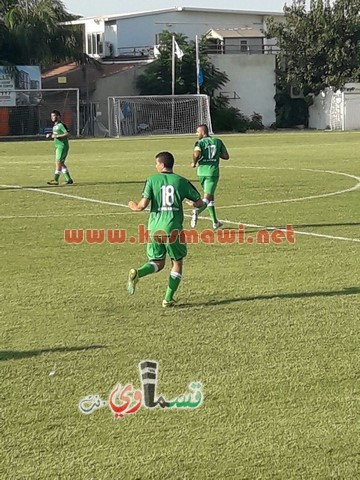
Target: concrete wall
{"points": [[121, 84], [252, 78]]}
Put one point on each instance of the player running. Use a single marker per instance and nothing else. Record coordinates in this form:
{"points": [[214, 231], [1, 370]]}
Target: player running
{"points": [[165, 191], [61, 135], [206, 156]]}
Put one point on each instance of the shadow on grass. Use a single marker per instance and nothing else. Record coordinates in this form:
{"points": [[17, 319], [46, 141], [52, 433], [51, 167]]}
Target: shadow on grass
{"points": [[331, 293], [18, 354], [70, 187]]}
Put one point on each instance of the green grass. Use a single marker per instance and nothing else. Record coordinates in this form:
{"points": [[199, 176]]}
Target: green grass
{"points": [[271, 331]]}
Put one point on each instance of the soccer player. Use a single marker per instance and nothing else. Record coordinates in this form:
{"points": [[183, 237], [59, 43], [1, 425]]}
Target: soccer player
{"points": [[61, 135], [206, 156], [165, 191]]}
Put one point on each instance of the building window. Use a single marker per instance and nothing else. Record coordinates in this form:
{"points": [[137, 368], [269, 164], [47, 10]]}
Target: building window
{"points": [[95, 44], [243, 46]]}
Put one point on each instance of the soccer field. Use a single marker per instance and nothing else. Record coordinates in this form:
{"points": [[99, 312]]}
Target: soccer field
{"points": [[270, 330]]}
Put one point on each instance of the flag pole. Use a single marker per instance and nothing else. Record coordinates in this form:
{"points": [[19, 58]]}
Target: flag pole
{"points": [[173, 66], [173, 84], [197, 64]]}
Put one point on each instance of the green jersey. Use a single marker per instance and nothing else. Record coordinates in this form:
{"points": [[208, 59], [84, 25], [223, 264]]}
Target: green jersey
{"points": [[59, 128], [167, 191], [211, 149]]}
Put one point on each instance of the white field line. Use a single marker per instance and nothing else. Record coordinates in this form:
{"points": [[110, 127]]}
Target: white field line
{"points": [[103, 202], [299, 199]]}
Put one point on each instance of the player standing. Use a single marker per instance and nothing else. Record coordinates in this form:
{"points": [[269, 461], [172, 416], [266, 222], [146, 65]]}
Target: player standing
{"points": [[206, 156], [165, 191], [61, 135]]}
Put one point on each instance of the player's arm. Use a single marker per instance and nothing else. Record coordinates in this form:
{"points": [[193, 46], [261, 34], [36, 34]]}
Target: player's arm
{"points": [[193, 196], [196, 155], [224, 153], [139, 206], [63, 134], [198, 204], [146, 198]]}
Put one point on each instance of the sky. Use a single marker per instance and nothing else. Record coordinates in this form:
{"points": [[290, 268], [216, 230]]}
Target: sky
{"points": [[88, 8]]}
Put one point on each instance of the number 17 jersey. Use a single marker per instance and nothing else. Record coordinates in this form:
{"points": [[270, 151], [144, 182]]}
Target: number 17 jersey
{"points": [[211, 150], [167, 191]]}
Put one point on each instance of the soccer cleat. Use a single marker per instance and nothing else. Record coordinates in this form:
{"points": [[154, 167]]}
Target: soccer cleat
{"points": [[194, 218], [69, 182], [217, 225], [132, 281], [53, 182], [168, 304]]}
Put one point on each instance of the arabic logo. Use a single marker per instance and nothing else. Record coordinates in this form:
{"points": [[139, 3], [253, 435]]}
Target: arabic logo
{"points": [[126, 400]]}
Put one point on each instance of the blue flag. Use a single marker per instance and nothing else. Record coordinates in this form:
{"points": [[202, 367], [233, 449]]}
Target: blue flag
{"points": [[200, 77]]}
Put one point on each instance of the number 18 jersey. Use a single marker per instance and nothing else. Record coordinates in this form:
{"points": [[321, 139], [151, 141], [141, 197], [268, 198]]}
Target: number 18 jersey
{"points": [[211, 150], [167, 191]]}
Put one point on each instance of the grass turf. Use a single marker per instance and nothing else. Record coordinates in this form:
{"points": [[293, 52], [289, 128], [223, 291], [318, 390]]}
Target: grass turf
{"points": [[271, 331]]}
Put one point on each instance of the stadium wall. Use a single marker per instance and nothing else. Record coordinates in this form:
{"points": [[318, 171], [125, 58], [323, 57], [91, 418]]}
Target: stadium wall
{"points": [[252, 79], [122, 84]]}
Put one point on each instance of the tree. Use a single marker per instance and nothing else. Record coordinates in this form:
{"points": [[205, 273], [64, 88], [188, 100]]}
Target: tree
{"points": [[32, 32], [157, 80], [318, 48], [157, 77]]}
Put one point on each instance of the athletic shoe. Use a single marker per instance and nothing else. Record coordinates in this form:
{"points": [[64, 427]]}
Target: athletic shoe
{"points": [[70, 182], [217, 225], [132, 281], [194, 218], [53, 182], [167, 304]]}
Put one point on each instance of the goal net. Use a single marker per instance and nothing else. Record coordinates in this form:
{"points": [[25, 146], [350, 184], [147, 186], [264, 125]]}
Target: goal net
{"points": [[157, 114], [26, 113]]}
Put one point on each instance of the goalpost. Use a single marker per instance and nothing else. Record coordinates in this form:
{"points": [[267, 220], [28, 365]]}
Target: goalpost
{"points": [[157, 114]]}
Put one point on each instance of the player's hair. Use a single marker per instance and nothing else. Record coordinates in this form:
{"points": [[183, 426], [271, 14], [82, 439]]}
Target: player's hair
{"points": [[205, 128], [56, 112], [166, 158]]}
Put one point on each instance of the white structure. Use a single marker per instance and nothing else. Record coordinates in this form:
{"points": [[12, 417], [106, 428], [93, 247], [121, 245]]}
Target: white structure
{"points": [[251, 86], [338, 110], [113, 35], [239, 48]]}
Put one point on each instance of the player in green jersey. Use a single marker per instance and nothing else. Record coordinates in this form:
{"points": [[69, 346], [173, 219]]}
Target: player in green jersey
{"points": [[206, 156], [165, 191], [61, 135]]}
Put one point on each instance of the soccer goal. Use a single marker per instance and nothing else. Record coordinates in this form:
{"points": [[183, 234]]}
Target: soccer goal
{"points": [[157, 114], [26, 113]]}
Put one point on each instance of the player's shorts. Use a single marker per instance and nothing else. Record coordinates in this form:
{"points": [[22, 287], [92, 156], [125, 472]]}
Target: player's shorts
{"points": [[157, 249], [61, 153], [209, 184]]}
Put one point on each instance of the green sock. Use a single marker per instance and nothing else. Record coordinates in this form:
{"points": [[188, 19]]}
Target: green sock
{"points": [[57, 176], [212, 213], [66, 173], [174, 282], [147, 269]]}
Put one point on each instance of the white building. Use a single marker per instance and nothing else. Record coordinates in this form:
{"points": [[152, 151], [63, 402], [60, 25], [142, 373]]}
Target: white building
{"points": [[112, 35], [241, 47]]}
